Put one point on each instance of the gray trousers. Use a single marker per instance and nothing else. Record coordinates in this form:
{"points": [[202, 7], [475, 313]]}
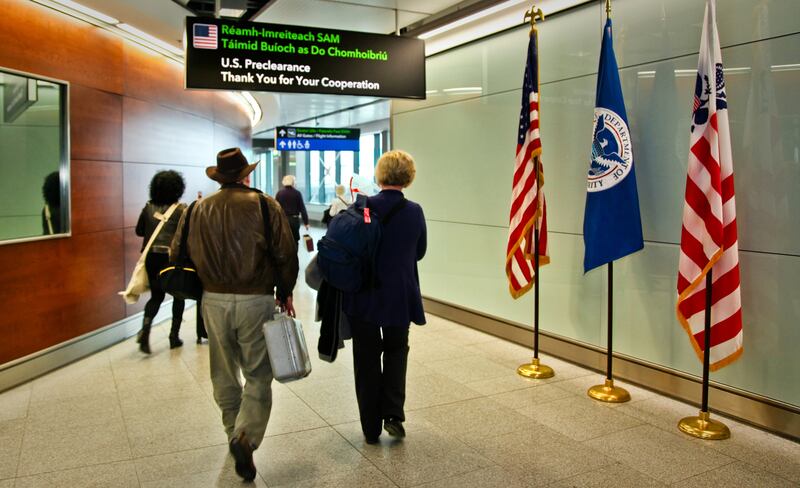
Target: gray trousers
{"points": [[236, 342]]}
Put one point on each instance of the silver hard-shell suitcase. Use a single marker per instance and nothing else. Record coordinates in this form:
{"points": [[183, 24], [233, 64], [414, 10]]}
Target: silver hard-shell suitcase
{"points": [[286, 346]]}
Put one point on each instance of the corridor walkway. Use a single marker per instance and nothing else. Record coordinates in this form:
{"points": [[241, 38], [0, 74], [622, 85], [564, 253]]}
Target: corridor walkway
{"points": [[121, 419]]}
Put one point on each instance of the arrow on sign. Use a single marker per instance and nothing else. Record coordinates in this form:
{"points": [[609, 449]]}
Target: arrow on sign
{"points": [[282, 132], [282, 144]]}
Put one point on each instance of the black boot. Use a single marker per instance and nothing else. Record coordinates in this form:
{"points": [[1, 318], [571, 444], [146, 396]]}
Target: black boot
{"points": [[144, 336], [174, 340]]}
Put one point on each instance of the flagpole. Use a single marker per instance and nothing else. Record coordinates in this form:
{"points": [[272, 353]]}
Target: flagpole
{"points": [[608, 392], [535, 369], [702, 425], [610, 319]]}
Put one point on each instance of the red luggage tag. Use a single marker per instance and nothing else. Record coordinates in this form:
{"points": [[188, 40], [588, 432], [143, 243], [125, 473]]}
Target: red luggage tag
{"points": [[367, 219]]}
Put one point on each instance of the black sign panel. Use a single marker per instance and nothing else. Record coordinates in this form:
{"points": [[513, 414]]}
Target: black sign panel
{"points": [[235, 55]]}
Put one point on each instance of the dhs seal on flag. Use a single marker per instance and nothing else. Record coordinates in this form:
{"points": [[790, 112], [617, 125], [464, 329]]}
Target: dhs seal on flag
{"points": [[611, 151]]}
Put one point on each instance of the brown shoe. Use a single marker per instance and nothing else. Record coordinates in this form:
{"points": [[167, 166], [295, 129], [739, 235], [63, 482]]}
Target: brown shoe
{"points": [[242, 452]]}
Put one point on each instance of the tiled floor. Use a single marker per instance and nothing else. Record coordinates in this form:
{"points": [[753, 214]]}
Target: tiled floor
{"points": [[121, 419]]}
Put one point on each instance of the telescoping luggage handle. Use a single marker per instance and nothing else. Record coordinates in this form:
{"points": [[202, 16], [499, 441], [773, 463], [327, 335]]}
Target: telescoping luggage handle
{"points": [[290, 326]]}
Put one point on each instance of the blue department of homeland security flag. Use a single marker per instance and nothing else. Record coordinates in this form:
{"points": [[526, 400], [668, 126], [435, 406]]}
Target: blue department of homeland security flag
{"points": [[612, 227]]}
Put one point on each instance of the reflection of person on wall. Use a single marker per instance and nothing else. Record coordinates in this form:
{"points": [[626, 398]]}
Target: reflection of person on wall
{"points": [[292, 202], [51, 213]]}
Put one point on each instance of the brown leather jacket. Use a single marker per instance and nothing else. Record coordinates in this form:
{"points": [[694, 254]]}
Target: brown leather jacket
{"points": [[227, 245]]}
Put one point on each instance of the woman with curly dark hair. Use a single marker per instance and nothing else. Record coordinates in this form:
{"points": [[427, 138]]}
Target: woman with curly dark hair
{"points": [[166, 188]]}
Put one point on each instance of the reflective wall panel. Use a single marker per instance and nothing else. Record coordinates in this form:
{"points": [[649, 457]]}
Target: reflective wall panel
{"points": [[464, 135]]}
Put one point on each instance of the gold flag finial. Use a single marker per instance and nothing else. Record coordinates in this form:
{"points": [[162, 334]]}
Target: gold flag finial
{"points": [[534, 14], [608, 8]]}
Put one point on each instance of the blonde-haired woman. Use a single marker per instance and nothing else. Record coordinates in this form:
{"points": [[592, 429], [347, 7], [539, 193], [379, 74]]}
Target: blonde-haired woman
{"points": [[341, 202], [380, 317]]}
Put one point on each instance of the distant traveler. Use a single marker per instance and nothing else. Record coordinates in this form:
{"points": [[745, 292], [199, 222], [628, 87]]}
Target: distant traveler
{"points": [[166, 188], [341, 202], [380, 315], [337, 205], [291, 201], [240, 267]]}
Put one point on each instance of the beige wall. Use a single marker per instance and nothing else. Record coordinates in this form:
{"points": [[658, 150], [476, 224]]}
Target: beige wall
{"points": [[464, 144]]}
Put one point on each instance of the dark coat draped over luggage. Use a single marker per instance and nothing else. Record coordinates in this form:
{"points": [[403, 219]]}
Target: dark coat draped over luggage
{"points": [[396, 301]]}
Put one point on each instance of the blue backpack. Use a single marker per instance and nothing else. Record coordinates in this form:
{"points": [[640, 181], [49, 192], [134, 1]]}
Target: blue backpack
{"points": [[346, 253]]}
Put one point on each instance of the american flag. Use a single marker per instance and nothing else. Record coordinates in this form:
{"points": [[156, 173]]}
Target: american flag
{"points": [[527, 198], [709, 236], [204, 36]]}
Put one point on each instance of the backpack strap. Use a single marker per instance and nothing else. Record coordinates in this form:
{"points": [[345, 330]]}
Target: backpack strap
{"points": [[397, 207], [362, 202], [373, 276], [48, 217], [264, 215], [280, 288], [182, 253]]}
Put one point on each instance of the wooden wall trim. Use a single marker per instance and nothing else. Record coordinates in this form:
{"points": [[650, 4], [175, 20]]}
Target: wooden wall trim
{"points": [[41, 40], [127, 106], [29, 367]]}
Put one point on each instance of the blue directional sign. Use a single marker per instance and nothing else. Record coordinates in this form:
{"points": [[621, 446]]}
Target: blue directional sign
{"points": [[316, 139]]}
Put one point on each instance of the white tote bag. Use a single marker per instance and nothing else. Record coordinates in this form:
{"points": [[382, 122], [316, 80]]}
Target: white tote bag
{"points": [[139, 283]]}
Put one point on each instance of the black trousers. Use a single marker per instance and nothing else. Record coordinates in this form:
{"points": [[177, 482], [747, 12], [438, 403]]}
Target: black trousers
{"points": [[380, 385], [154, 263], [294, 224]]}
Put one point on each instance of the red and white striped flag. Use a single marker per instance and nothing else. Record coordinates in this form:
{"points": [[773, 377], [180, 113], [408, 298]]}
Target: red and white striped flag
{"points": [[709, 237], [527, 198]]}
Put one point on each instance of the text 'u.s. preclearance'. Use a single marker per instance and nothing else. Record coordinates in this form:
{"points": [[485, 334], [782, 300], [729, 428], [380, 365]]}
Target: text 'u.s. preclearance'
{"points": [[235, 55]]}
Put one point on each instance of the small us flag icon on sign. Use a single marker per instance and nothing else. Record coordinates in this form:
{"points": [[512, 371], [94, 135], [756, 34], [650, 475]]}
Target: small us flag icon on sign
{"points": [[204, 36]]}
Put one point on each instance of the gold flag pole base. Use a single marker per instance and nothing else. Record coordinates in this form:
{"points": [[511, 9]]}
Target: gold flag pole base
{"points": [[609, 393], [703, 427], [535, 370]]}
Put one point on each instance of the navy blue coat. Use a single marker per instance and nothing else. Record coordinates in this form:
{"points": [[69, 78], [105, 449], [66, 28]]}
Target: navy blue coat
{"points": [[397, 301]]}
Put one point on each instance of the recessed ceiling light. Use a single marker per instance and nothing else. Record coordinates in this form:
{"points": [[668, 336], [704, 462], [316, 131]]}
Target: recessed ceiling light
{"points": [[151, 39], [81, 9], [469, 18]]}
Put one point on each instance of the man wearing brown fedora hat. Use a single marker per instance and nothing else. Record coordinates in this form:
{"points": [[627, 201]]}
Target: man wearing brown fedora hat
{"points": [[240, 267]]}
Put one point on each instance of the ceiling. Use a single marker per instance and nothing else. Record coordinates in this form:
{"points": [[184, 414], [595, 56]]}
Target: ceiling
{"points": [[164, 19]]}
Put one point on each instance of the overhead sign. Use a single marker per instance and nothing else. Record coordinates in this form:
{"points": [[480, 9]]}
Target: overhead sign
{"points": [[19, 93], [236, 55], [316, 139]]}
